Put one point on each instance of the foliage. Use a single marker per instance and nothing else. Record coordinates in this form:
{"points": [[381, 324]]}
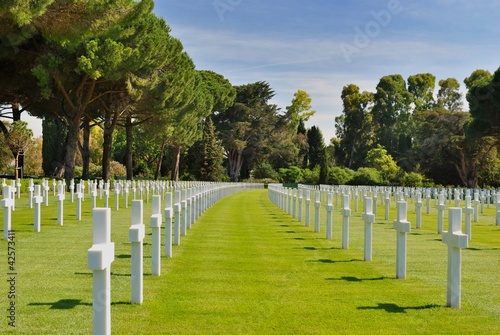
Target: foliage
{"points": [[291, 175], [316, 145], [264, 171], [211, 169], [244, 127], [367, 176], [33, 159], [299, 110], [340, 176], [449, 96], [311, 176], [54, 133], [379, 159], [421, 86], [391, 114], [413, 179], [354, 127]]}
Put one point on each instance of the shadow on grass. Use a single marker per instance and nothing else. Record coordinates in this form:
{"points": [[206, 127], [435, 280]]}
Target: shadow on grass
{"points": [[357, 280], [485, 249], [71, 303], [332, 261], [314, 248], [393, 308], [62, 304]]}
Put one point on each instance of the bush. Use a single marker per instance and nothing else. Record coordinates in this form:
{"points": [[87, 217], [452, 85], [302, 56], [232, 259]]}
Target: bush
{"points": [[290, 175], [340, 176], [367, 176], [311, 176], [264, 171], [413, 179]]}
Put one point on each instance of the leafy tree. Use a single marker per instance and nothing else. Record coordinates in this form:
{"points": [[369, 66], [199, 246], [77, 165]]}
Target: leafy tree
{"points": [[379, 159], [391, 115], [354, 127], [244, 127], [449, 96], [484, 103], [367, 176], [421, 86], [340, 176], [19, 139], [299, 110], [293, 174], [265, 171], [438, 133]]}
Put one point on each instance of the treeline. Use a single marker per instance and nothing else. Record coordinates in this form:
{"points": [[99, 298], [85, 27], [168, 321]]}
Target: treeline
{"points": [[429, 136], [119, 96]]}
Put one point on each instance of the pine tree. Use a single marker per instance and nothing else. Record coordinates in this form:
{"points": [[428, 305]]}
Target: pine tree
{"points": [[212, 169]]}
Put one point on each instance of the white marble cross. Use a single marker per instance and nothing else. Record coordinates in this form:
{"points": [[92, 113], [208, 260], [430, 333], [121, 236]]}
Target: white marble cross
{"points": [[100, 257], [418, 210], [441, 206], [168, 224], [156, 221], [117, 191], [79, 197], [106, 195], [346, 213], [387, 203], [177, 217], [329, 213], [476, 205], [18, 188], [37, 199], [72, 189], [468, 211], [45, 190], [497, 205], [402, 226], [368, 219], [317, 205], [31, 188], [60, 204], [136, 235], [455, 241], [183, 212], [301, 195], [308, 205], [7, 203]]}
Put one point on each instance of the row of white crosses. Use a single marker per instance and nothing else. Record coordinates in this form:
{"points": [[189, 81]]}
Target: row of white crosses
{"points": [[454, 238], [101, 254]]}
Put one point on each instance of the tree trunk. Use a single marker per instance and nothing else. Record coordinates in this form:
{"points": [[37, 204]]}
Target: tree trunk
{"points": [[85, 149], [160, 159], [109, 127], [235, 159], [176, 162], [128, 148], [71, 148]]}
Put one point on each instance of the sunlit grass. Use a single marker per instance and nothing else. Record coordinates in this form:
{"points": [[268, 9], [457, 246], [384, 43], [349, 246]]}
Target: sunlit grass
{"points": [[246, 267]]}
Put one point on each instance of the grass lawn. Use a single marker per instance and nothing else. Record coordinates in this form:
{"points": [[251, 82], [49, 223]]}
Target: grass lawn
{"points": [[246, 267]]}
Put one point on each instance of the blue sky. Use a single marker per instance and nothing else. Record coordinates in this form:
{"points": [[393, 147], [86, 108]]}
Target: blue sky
{"points": [[322, 45]]}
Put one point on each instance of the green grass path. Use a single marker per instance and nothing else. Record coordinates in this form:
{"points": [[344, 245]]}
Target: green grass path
{"points": [[246, 267]]}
